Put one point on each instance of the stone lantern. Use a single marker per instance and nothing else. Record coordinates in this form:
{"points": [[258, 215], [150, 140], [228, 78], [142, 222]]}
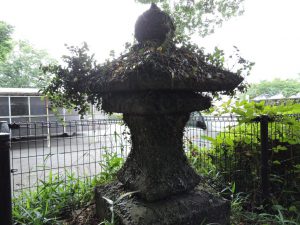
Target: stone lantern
{"points": [[156, 86]]}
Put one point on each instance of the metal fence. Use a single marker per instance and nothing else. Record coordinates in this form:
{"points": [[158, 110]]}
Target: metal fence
{"points": [[244, 153], [74, 147], [78, 147]]}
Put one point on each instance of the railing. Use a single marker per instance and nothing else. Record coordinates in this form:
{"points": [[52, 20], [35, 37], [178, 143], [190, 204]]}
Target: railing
{"points": [[75, 147], [78, 147]]}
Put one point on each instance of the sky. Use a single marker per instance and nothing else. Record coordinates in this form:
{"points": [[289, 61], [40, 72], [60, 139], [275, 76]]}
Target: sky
{"points": [[268, 33]]}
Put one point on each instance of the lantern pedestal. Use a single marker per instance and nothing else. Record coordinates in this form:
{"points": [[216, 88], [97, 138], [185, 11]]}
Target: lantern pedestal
{"points": [[197, 207]]}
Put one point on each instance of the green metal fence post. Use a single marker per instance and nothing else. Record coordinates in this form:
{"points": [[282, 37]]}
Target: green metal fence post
{"points": [[264, 120]]}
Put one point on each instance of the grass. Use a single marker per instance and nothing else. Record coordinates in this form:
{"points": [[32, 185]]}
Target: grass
{"points": [[52, 200], [56, 198], [277, 215], [244, 211]]}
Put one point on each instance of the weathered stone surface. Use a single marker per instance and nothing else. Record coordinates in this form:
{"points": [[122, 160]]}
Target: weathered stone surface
{"points": [[156, 87], [154, 25], [193, 208], [157, 165], [185, 72], [155, 102]]}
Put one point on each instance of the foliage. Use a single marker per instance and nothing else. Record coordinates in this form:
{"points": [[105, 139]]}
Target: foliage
{"points": [[5, 40], [79, 82], [69, 87], [82, 80], [238, 150], [242, 212], [55, 198], [241, 66], [22, 67], [277, 215], [198, 17], [52, 200], [199, 159], [247, 111], [109, 168], [286, 87]]}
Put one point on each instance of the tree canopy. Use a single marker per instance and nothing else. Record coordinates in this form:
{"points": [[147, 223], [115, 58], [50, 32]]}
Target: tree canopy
{"points": [[5, 40], [198, 16], [22, 67], [286, 87]]}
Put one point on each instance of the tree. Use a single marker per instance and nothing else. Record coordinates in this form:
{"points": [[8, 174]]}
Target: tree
{"points": [[198, 16], [22, 67], [287, 87], [5, 40]]}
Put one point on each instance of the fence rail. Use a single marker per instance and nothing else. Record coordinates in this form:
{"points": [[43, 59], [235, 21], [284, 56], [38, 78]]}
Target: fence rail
{"points": [[244, 153], [75, 147], [78, 146]]}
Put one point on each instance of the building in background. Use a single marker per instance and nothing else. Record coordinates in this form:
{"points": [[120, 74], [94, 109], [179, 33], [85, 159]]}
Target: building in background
{"points": [[276, 99], [27, 105]]}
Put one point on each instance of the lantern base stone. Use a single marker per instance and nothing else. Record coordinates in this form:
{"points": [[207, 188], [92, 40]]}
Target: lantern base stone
{"points": [[193, 208]]}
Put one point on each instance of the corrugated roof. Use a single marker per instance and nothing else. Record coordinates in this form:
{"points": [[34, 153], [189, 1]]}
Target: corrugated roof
{"points": [[275, 97], [295, 96], [19, 92], [261, 98]]}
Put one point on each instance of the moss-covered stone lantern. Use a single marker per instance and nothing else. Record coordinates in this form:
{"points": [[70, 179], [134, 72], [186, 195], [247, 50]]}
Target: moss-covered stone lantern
{"points": [[156, 86]]}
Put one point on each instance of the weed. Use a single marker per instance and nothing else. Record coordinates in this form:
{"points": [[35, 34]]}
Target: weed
{"points": [[52, 200], [58, 196], [112, 204]]}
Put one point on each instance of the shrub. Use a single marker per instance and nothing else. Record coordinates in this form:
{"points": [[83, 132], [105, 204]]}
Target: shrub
{"points": [[239, 155]]}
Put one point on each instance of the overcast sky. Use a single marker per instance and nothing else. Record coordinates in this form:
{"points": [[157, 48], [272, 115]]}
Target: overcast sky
{"points": [[268, 33]]}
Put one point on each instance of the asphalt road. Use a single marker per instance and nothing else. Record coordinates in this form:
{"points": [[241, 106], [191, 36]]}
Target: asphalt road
{"points": [[32, 159]]}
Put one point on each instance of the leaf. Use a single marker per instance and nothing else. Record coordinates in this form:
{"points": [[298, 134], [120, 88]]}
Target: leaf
{"points": [[278, 207], [205, 137], [159, 49], [233, 188], [276, 162], [280, 148], [293, 208], [109, 201], [125, 195]]}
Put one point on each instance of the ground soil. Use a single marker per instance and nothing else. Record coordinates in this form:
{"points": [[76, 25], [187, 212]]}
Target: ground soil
{"points": [[84, 216]]}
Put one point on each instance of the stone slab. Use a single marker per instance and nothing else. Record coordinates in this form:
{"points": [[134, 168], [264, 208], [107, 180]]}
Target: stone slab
{"points": [[194, 208]]}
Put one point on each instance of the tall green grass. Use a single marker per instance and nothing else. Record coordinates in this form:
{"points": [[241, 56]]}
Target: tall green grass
{"points": [[263, 215], [244, 211], [55, 199]]}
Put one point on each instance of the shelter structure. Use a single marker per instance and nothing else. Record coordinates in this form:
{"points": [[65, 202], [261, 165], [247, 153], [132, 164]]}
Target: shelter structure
{"points": [[295, 98], [260, 98], [28, 105], [277, 99], [156, 86]]}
